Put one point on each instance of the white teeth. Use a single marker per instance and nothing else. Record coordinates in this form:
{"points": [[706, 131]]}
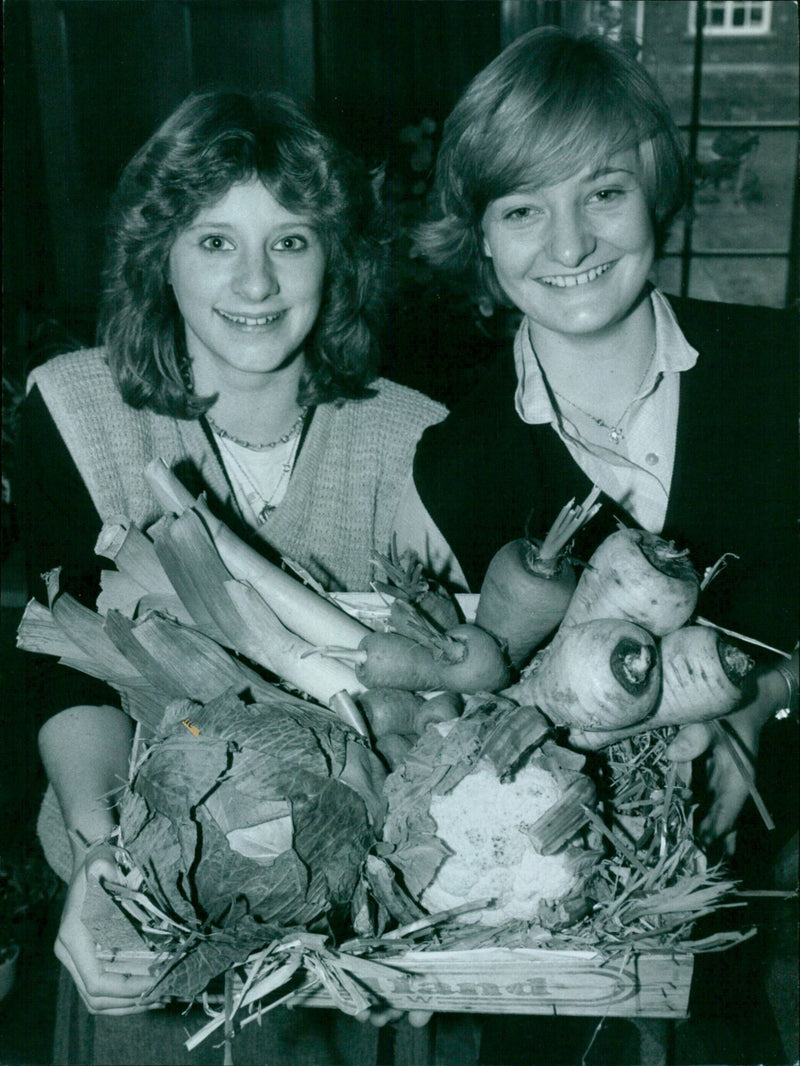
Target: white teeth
{"points": [[568, 281], [248, 320]]}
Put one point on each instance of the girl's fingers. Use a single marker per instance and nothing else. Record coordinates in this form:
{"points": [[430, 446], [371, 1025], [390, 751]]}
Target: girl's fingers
{"points": [[729, 792], [690, 742], [102, 990], [379, 1016], [121, 995], [419, 1018]]}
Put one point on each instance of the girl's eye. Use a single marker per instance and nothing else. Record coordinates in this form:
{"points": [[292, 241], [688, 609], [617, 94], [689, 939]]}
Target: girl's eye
{"points": [[520, 214], [606, 196], [291, 244], [216, 244]]}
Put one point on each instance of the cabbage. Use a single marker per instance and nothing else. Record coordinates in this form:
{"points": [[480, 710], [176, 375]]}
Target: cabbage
{"points": [[248, 821], [457, 823]]}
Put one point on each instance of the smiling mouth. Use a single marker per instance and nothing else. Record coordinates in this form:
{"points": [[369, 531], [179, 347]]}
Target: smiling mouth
{"points": [[251, 321], [570, 281]]}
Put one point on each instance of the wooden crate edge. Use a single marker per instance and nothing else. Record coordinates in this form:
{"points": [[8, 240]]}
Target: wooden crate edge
{"points": [[509, 981]]}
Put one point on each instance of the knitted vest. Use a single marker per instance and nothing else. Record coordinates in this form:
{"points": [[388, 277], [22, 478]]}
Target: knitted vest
{"points": [[342, 497], [339, 507]]}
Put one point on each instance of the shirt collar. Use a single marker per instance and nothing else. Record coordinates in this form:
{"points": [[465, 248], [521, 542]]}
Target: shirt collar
{"points": [[673, 354]]}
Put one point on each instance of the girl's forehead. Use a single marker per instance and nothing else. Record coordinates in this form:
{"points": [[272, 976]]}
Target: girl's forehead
{"points": [[252, 198], [586, 166]]}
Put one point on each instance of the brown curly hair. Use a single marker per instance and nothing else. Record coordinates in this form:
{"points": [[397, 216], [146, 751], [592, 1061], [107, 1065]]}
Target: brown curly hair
{"points": [[212, 141]]}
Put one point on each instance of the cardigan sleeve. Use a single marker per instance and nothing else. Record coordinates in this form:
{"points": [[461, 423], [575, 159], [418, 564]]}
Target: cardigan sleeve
{"points": [[59, 526]]}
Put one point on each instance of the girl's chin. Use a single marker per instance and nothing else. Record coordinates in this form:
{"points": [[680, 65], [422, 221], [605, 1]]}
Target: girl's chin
{"points": [[581, 316]]}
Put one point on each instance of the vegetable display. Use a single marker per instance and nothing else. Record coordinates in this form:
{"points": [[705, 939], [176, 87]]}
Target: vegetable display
{"points": [[259, 824]]}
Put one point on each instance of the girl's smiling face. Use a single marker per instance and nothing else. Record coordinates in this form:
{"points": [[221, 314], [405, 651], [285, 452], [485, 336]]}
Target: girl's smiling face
{"points": [[248, 278], [574, 257]]}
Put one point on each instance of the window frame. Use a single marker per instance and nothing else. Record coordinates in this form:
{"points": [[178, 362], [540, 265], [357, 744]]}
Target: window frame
{"points": [[728, 28], [693, 128]]}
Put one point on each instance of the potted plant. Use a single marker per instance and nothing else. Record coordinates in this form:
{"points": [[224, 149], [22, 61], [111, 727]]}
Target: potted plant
{"points": [[27, 884]]}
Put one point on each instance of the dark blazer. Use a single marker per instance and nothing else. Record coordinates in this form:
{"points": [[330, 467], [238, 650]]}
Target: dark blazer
{"points": [[483, 470]]}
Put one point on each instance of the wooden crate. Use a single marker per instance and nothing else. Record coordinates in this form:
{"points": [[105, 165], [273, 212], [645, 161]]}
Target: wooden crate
{"points": [[521, 981], [531, 981]]}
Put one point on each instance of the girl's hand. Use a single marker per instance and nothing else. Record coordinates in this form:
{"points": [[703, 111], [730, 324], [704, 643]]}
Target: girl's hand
{"points": [[380, 1016], [727, 787], [103, 991]]}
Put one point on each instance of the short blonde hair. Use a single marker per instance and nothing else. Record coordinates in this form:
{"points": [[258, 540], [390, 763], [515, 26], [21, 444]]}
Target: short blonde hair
{"points": [[546, 107]]}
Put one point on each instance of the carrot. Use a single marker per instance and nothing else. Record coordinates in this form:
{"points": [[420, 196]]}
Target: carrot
{"points": [[638, 576], [439, 707], [528, 586], [408, 584], [601, 674], [391, 710], [389, 660], [472, 661], [702, 678], [464, 659]]}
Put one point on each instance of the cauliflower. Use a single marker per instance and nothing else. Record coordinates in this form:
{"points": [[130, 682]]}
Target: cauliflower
{"points": [[461, 808], [484, 822]]}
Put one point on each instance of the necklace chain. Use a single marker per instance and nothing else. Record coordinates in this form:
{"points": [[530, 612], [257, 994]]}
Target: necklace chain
{"points": [[615, 432], [295, 428], [262, 505]]}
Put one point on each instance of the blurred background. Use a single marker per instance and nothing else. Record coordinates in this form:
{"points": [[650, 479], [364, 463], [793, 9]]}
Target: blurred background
{"points": [[87, 81]]}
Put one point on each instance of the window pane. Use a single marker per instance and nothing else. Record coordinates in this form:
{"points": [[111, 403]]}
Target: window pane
{"points": [[746, 281], [752, 78], [667, 52], [743, 190], [760, 282]]}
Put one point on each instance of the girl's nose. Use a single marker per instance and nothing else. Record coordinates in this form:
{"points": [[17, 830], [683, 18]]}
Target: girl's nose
{"points": [[256, 277], [571, 239]]}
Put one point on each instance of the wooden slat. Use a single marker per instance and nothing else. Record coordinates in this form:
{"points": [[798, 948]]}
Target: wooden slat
{"points": [[506, 981]]}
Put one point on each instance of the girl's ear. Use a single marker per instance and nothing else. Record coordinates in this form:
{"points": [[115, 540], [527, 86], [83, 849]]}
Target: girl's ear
{"points": [[486, 249]]}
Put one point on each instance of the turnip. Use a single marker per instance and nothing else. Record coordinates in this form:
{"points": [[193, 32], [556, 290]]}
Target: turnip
{"points": [[638, 576], [528, 586], [702, 678], [601, 674]]}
